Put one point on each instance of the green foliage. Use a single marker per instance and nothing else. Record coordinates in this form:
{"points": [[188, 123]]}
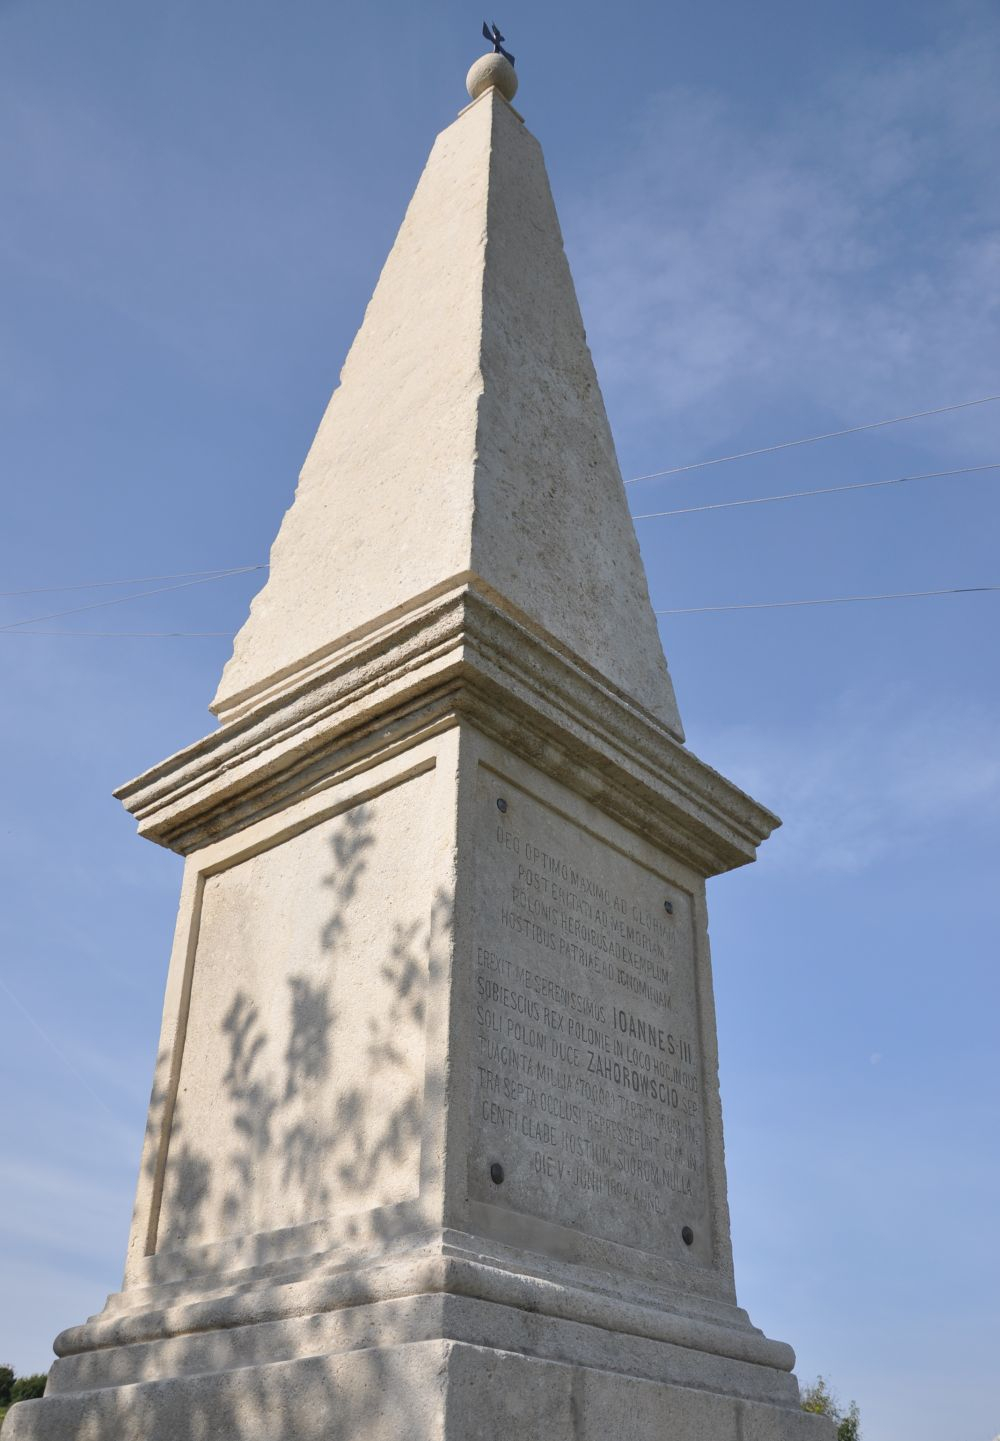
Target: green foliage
{"points": [[820, 1400], [28, 1388], [18, 1388], [849, 1427]]}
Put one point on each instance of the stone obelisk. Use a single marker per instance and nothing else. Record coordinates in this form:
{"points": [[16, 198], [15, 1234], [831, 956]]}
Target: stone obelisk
{"points": [[434, 1150]]}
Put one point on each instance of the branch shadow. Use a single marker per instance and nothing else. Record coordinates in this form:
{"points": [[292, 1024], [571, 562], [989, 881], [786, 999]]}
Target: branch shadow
{"points": [[321, 1103]]}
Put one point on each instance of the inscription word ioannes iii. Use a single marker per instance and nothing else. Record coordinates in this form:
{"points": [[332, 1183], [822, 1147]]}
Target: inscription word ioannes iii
{"points": [[587, 1083]]}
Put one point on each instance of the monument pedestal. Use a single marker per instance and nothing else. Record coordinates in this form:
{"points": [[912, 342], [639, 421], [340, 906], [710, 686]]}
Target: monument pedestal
{"points": [[438, 1390], [435, 1142]]}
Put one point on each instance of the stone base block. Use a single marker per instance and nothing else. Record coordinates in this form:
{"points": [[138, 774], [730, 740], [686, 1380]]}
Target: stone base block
{"points": [[503, 1396], [428, 1391]]}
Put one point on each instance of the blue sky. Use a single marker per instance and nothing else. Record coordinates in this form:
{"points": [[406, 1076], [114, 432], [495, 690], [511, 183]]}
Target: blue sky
{"points": [[783, 220]]}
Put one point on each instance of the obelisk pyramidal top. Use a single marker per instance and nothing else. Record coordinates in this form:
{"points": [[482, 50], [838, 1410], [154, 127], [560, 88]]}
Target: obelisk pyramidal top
{"points": [[434, 1147], [467, 441]]}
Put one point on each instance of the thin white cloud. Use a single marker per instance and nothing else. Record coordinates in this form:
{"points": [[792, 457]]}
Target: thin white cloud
{"points": [[60, 1208], [166, 237], [49, 1297], [847, 256], [870, 777]]}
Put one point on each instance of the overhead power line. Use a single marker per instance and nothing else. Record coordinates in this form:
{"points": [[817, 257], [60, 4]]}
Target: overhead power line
{"points": [[676, 610], [217, 572], [121, 634], [811, 439], [70, 1065], [826, 490], [828, 600], [118, 600]]}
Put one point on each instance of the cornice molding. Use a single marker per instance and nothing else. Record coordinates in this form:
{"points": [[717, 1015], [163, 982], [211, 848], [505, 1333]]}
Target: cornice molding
{"points": [[460, 656]]}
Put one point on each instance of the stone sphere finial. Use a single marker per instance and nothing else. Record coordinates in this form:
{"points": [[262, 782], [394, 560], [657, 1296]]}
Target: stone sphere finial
{"points": [[492, 70]]}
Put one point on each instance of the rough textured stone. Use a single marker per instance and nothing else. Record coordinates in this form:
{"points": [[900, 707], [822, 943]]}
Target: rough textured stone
{"points": [[434, 1149], [467, 438], [436, 1390]]}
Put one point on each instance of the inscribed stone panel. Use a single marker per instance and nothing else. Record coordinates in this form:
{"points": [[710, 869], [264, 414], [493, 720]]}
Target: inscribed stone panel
{"points": [[587, 1077]]}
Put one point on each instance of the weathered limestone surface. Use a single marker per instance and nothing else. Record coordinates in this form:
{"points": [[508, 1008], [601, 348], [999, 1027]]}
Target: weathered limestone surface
{"points": [[434, 1149], [467, 438]]}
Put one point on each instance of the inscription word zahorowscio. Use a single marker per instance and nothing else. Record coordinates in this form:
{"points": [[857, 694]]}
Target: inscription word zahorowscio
{"points": [[585, 1061]]}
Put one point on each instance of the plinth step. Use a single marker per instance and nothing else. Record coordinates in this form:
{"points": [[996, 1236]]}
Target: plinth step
{"points": [[428, 1391]]}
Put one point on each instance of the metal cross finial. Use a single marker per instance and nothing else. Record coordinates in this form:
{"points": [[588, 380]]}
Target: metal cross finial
{"points": [[492, 34]]}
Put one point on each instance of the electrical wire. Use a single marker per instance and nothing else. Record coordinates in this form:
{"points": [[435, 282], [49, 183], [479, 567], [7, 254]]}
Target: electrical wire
{"points": [[70, 1065], [811, 439], [826, 490], [119, 600], [828, 600], [682, 610], [217, 573], [121, 634]]}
